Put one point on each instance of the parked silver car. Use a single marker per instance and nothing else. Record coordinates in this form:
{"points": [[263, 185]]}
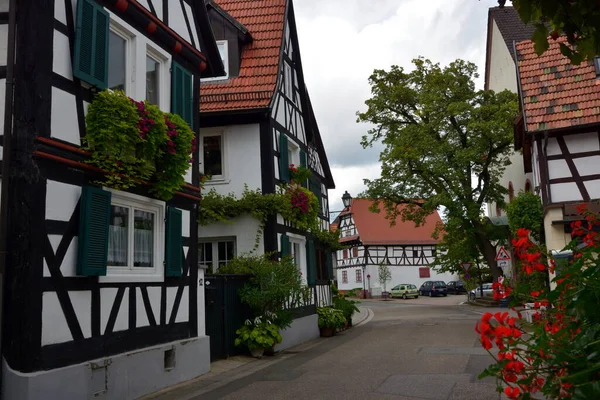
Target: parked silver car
{"points": [[476, 293]]}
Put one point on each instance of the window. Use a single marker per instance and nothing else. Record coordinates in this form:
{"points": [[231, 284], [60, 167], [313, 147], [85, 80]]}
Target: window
{"points": [[120, 59], [293, 153], [152, 80], [223, 47], [355, 252], [289, 80], [345, 251], [216, 253], [135, 235], [344, 276], [358, 276], [298, 253], [212, 147]]}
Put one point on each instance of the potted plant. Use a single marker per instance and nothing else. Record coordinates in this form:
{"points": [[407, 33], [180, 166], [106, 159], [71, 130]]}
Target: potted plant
{"points": [[258, 335], [330, 319], [341, 302]]}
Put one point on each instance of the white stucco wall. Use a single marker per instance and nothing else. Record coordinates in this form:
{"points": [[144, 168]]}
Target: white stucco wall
{"points": [[503, 76], [241, 158], [408, 274]]}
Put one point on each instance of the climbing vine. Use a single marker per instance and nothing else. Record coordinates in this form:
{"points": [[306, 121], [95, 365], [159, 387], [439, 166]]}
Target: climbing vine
{"points": [[295, 203]]}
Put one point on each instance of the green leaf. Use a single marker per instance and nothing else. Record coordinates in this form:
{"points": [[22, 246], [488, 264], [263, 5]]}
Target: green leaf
{"points": [[540, 39]]}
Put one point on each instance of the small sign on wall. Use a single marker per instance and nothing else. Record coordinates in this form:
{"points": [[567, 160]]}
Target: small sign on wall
{"points": [[424, 272]]}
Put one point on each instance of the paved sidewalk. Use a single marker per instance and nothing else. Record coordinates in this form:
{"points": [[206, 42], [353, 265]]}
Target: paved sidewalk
{"points": [[363, 316]]}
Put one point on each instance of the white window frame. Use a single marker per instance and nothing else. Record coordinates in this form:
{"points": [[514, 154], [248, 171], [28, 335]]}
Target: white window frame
{"points": [[139, 274], [358, 272], [164, 75], [225, 45], [294, 152], [344, 276], [301, 242], [130, 54], [215, 179], [214, 242]]}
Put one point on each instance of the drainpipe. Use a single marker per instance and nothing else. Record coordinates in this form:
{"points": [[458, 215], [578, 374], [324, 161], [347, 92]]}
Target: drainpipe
{"points": [[6, 150]]}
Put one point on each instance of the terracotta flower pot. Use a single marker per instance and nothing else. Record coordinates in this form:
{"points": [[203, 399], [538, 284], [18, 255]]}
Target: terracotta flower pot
{"points": [[327, 331]]}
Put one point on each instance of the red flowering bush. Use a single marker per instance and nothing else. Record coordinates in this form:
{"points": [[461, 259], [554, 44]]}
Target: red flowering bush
{"points": [[556, 352], [300, 206], [299, 175]]}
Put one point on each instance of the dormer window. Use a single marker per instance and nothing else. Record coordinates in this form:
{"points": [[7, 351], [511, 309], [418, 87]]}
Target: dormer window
{"points": [[224, 53]]}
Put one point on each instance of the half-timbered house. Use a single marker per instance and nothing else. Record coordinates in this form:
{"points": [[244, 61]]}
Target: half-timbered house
{"points": [[257, 121], [558, 133], [370, 241], [101, 286]]}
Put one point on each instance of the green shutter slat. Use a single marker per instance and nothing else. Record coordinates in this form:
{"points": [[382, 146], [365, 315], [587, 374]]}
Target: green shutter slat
{"points": [[90, 61], [286, 248], [302, 158], [188, 100], [284, 163], [94, 220], [330, 265], [174, 245], [311, 257], [182, 98]]}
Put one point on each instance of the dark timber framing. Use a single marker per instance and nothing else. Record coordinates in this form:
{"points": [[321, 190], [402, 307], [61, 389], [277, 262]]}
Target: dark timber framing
{"points": [[38, 159]]}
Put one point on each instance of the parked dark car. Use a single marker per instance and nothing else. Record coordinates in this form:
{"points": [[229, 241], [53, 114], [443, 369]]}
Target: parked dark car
{"points": [[456, 287], [433, 288]]}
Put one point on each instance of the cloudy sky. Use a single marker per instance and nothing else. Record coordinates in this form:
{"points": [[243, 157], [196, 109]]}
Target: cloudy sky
{"points": [[343, 41]]}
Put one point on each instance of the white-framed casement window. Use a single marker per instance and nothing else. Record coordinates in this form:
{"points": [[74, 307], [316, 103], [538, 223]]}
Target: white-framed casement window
{"points": [[135, 238], [157, 78], [214, 253], [344, 276], [121, 56], [212, 156], [293, 153], [223, 47], [298, 253]]}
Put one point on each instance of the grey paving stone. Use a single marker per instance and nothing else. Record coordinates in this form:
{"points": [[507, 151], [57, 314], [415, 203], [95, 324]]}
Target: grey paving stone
{"points": [[468, 351], [426, 386]]}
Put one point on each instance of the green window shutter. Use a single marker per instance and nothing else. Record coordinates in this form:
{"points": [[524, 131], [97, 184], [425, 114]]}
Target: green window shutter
{"points": [[174, 245], [302, 158], [182, 99], [286, 249], [284, 162], [90, 61], [94, 221], [316, 189], [330, 265], [311, 258]]}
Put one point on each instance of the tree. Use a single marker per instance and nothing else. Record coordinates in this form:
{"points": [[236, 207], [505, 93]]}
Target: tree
{"points": [[439, 133], [385, 275], [578, 20]]}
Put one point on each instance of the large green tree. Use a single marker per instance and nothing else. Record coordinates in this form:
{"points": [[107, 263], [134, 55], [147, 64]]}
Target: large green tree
{"points": [[446, 144], [579, 20]]}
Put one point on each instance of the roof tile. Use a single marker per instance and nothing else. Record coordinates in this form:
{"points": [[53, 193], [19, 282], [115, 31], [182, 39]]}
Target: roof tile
{"points": [[255, 84], [572, 93], [374, 228]]}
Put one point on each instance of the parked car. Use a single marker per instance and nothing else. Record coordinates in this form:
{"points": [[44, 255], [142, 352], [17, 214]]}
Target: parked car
{"points": [[433, 288], [456, 287], [404, 290], [476, 293]]}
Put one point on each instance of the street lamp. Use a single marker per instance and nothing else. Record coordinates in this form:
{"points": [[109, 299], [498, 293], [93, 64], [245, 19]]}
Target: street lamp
{"points": [[347, 199]]}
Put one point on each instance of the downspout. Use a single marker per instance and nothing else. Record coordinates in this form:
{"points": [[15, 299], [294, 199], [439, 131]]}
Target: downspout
{"points": [[547, 169], [6, 151]]}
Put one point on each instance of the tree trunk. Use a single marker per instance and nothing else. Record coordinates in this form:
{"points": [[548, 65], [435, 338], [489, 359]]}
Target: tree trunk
{"points": [[488, 251]]}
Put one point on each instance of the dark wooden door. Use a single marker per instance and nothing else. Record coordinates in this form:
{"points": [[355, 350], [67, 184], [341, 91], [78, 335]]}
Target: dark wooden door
{"points": [[225, 313]]}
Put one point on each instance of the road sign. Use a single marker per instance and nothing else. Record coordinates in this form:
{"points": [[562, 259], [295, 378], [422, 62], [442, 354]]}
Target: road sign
{"points": [[467, 277], [502, 254], [466, 266]]}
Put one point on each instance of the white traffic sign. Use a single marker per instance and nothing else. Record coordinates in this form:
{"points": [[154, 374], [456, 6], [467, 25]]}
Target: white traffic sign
{"points": [[502, 254]]}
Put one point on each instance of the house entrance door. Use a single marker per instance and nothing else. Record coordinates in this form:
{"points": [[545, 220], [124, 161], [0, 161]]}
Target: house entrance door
{"points": [[225, 313]]}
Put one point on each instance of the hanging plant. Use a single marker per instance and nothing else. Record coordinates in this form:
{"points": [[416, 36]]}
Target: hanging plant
{"points": [[301, 207], [134, 141], [176, 157], [299, 174]]}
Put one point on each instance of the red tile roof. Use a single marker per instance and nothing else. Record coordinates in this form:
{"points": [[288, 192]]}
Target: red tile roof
{"points": [[374, 228], [555, 93], [255, 85]]}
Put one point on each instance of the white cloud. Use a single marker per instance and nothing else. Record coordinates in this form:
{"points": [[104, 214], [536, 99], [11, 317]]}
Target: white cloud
{"points": [[343, 41]]}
